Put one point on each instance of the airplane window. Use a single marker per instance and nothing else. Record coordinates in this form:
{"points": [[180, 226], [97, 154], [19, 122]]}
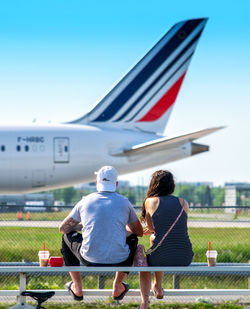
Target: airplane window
{"points": [[66, 148], [18, 148], [26, 148], [42, 148], [2, 148]]}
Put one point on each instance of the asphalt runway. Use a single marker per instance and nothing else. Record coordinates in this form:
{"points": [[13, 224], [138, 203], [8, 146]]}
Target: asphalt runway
{"points": [[194, 224]]}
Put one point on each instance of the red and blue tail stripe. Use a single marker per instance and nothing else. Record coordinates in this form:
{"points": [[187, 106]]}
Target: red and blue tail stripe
{"points": [[148, 92]]}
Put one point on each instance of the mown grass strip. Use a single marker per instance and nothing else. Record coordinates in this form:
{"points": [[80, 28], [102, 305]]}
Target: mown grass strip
{"points": [[159, 305], [19, 243]]}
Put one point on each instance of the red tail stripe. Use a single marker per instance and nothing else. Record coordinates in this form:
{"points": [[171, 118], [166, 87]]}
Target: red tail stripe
{"points": [[164, 103]]}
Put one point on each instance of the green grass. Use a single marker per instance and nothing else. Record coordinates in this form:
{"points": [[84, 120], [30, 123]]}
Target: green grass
{"points": [[17, 243], [60, 215], [36, 216], [159, 305], [91, 282], [232, 244]]}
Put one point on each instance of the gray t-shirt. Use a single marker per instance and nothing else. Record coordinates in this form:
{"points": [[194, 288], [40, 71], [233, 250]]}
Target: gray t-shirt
{"points": [[104, 216]]}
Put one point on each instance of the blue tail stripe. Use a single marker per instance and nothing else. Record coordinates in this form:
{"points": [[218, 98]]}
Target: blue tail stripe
{"points": [[159, 77], [172, 75], [147, 71]]}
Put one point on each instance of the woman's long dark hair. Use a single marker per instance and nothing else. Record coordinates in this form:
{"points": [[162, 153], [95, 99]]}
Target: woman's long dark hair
{"points": [[161, 184]]}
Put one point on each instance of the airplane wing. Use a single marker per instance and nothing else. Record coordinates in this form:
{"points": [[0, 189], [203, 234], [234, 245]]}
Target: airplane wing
{"points": [[169, 142]]}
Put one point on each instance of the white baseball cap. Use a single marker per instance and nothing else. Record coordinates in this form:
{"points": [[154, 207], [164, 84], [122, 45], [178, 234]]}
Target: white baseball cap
{"points": [[106, 179]]}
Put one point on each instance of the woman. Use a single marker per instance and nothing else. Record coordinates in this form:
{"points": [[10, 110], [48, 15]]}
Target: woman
{"points": [[160, 210]]}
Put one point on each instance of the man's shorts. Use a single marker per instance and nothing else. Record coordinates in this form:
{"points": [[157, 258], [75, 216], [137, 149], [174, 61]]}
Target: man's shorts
{"points": [[71, 245]]}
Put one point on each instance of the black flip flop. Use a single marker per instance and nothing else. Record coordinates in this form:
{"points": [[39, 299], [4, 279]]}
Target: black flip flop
{"points": [[75, 297], [121, 296]]}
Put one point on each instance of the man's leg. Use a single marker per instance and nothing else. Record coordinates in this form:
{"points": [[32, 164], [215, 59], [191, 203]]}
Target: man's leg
{"points": [[118, 287], [76, 287], [72, 243]]}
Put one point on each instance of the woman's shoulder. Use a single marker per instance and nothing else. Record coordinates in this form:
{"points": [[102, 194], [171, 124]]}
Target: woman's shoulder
{"points": [[151, 204], [152, 200], [184, 204]]}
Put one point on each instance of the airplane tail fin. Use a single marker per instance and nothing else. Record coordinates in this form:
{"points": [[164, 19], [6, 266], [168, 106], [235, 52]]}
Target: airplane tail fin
{"points": [[144, 98]]}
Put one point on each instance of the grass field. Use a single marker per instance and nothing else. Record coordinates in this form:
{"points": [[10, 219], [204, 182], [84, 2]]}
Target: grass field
{"points": [[91, 282], [197, 214], [159, 305], [18, 244]]}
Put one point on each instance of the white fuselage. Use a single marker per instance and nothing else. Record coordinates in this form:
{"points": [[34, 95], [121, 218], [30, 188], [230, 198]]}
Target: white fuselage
{"points": [[36, 158]]}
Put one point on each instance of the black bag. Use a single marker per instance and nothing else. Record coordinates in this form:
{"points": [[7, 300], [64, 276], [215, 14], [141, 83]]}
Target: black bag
{"points": [[132, 241]]}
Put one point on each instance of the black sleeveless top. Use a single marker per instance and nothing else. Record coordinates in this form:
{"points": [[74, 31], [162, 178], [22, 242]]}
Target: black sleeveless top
{"points": [[176, 249]]}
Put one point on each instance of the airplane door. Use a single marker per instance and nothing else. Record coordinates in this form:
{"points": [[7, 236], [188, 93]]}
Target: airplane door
{"points": [[61, 150]]}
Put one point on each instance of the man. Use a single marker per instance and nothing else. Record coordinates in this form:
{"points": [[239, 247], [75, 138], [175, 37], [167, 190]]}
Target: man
{"points": [[105, 218]]}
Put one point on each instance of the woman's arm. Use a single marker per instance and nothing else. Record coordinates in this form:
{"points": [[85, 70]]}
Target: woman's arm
{"points": [[151, 204]]}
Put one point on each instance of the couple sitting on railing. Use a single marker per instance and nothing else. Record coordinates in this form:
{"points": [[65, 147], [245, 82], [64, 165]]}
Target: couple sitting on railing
{"points": [[105, 218]]}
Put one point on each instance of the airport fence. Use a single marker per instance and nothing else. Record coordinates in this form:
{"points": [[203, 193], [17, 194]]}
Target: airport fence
{"points": [[24, 231]]}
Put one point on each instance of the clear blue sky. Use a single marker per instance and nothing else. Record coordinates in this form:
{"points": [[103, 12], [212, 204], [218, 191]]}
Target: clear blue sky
{"points": [[58, 58]]}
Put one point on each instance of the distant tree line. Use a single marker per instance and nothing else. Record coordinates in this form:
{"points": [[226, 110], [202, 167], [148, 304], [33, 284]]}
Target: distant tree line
{"points": [[195, 195], [201, 195]]}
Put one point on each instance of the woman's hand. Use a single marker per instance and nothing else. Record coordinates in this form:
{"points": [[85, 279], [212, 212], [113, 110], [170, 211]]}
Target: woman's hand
{"points": [[146, 231]]}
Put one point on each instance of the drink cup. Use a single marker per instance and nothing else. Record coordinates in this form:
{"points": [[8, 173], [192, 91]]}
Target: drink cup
{"points": [[43, 258], [211, 257]]}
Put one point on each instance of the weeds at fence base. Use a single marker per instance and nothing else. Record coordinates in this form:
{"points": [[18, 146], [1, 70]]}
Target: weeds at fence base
{"points": [[160, 305]]}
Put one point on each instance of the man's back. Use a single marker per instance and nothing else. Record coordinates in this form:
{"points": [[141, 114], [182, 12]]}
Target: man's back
{"points": [[104, 216]]}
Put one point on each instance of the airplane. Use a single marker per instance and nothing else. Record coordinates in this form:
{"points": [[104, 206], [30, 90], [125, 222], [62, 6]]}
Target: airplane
{"points": [[125, 129]]}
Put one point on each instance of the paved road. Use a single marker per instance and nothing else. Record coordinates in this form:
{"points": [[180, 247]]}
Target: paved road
{"points": [[205, 224]]}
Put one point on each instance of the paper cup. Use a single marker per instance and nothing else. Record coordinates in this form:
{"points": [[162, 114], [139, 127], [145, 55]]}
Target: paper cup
{"points": [[43, 258], [211, 257]]}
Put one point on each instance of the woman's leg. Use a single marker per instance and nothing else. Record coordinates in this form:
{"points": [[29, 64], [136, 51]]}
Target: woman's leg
{"points": [[145, 286], [145, 283], [157, 286]]}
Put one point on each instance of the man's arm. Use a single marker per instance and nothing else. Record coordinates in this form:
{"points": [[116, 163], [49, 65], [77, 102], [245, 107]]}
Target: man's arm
{"points": [[135, 228], [69, 225]]}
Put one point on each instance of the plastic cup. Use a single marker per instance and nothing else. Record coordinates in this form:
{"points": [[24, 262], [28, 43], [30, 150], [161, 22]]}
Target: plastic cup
{"points": [[211, 257], [43, 258]]}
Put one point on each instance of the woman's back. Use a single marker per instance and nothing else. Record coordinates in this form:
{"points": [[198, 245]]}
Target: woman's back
{"points": [[176, 249]]}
